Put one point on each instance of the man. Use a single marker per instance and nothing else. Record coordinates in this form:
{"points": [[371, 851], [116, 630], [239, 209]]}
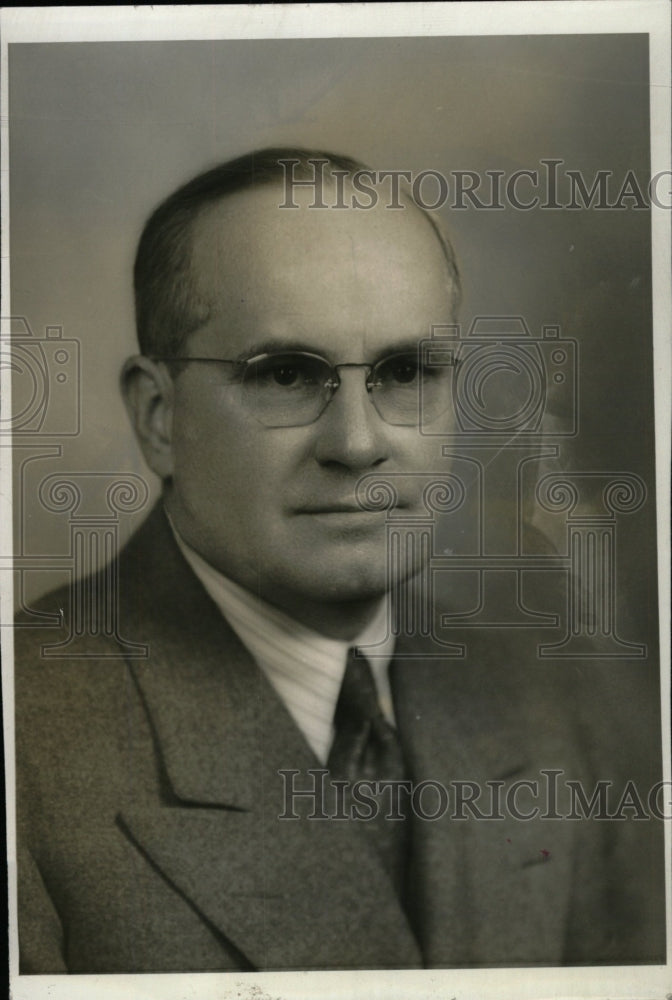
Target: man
{"points": [[174, 812]]}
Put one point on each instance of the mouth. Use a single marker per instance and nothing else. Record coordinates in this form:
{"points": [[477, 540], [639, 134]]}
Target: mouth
{"points": [[339, 509], [346, 507]]}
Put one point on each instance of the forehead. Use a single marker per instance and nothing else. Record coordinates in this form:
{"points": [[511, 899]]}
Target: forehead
{"points": [[325, 277]]}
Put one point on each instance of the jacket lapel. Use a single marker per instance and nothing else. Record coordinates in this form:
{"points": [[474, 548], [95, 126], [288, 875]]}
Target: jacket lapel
{"points": [[296, 893], [487, 891], [311, 893]]}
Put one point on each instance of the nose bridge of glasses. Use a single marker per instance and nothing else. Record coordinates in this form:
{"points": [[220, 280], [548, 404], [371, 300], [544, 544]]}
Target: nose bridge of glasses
{"points": [[353, 415], [335, 379], [352, 402]]}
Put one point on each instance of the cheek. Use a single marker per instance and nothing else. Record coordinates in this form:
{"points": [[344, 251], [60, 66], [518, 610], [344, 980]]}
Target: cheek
{"points": [[422, 452], [202, 452], [219, 462]]}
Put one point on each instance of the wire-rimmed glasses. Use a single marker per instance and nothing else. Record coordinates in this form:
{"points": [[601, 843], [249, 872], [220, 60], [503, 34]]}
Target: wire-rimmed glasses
{"points": [[293, 388]]}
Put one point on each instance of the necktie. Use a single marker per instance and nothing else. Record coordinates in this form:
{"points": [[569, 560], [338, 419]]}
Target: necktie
{"points": [[367, 748]]}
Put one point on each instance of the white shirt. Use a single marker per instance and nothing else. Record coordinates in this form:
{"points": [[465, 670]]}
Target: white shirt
{"points": [[305, 668]]}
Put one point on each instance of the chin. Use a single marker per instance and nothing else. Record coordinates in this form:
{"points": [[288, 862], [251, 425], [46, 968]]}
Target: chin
{"points": [[349, 583]]}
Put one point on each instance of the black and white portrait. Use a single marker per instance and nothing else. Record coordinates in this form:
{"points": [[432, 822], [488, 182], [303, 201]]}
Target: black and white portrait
{"points": [[334, 370]]}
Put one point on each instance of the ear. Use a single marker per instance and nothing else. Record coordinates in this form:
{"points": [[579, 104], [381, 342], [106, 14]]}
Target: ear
{"points": [[148, 392]]}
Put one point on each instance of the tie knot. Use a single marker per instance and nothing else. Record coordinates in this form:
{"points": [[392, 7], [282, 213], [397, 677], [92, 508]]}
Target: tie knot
{"points": [[358, 699]]}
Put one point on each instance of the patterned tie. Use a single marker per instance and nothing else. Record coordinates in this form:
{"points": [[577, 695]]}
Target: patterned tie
{"points": [[366, 747]]}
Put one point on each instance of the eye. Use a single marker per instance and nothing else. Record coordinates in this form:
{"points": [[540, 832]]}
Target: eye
{"points": [[403, 369], [287, 371], [286, 374]]}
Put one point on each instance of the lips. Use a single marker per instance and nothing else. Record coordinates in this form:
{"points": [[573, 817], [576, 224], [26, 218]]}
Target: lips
{"points": [[376, 497], [337, 507]]}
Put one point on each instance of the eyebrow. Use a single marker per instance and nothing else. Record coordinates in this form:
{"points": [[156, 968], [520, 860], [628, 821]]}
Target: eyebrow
{"points": [[275, 346], [282, 346]]}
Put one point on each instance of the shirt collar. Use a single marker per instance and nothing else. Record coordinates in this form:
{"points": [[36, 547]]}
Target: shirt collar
{"points": [[305, 668]]}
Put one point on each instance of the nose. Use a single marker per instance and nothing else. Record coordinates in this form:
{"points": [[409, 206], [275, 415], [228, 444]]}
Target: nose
{"points": [[350, 431]]}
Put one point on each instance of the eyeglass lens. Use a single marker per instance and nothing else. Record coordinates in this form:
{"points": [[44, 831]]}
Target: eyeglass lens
{"points": [[293, 389]]}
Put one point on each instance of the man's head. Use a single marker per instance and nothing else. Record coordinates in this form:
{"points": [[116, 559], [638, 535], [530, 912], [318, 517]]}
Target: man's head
{"points": [[224, 272]]}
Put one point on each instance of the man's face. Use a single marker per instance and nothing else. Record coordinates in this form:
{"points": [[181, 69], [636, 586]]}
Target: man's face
{"points": [[274, 508]]}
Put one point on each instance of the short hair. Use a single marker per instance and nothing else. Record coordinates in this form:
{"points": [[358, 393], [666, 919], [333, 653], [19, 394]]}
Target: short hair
{"points": [[168, 306]]}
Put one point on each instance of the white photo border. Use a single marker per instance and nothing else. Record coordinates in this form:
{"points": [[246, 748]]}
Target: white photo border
{"points": [[85, 24]]}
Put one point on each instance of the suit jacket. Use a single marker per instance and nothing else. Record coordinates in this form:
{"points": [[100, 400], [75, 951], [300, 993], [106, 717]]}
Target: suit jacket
{"points": [[148, 799]]}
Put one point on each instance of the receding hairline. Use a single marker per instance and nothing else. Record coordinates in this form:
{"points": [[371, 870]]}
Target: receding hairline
{"points": [[169, 303], [212, 206], [229, 198]]}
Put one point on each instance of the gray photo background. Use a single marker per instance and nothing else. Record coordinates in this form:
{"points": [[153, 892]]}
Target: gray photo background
{"points": [[100, 132]]}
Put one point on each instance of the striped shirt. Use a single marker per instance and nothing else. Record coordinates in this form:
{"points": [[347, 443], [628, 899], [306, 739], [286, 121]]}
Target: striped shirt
{"points": [[305, 668]]}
